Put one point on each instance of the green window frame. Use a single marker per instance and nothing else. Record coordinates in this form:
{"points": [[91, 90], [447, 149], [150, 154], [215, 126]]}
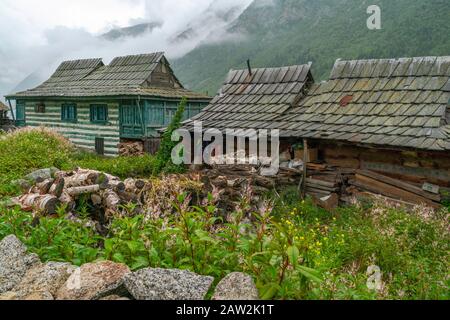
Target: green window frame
{"points": [[69, 112], [99, 113]]}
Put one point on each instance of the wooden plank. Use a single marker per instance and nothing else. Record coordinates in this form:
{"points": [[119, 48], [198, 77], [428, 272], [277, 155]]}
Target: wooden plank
{"points": [[419, 174], [385, 189], [323, 183], [305, 161], [400, 184]]}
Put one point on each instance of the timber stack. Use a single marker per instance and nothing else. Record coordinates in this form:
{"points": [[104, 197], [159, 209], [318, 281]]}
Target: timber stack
{"points": [[103, 191], [325, 180], [131, 148]]}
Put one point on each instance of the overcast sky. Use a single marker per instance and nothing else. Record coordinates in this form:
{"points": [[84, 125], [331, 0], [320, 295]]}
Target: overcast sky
{"points": [[39, 34]]}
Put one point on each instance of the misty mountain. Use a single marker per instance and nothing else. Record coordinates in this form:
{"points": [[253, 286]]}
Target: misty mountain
{"points": [[133, 31], [214, 20], [285, 32]]}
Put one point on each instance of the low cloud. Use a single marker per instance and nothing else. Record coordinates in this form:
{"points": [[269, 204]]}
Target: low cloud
{"points": [[36, 50]]}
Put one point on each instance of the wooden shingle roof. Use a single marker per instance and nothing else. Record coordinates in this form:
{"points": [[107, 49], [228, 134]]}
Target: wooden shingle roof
{"points": [[254, 101], [390, 102], [129, 75]]}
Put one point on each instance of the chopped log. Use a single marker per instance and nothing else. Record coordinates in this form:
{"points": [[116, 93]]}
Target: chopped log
{"points": [[77, 191], [110, 199], [313, 182], [318, 191], [328, 203], [132, 185], [44, 187], [58, 187], [127, 197], [47, 204], [388, 190], [316, 166], [400, 184], [96, 199], [82, 178]]}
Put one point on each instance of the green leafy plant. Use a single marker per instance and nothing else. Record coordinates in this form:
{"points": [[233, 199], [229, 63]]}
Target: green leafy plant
{"points": [[164, 156]]}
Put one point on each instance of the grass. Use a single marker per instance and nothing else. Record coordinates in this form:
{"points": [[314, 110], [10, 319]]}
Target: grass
{"points": [[27, 150], [307, 254], [295, 251]]}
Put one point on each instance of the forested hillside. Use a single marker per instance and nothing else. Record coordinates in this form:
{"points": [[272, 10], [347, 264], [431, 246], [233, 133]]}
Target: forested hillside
{"points": [[284, 32]]}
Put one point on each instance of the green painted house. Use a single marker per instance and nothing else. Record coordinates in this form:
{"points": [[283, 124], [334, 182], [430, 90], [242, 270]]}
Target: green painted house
{"points": [[97, 106]]}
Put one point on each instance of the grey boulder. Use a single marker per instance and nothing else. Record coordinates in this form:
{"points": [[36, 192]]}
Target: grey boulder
{"points": [[43, 281], [14, 262], [93, 281], [167, 284], [236, 286], [41, 174]]}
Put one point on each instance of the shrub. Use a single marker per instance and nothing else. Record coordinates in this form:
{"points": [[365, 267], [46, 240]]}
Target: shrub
{"points": [[123, 167], [164, 156], [53, 239], [26, 150]]}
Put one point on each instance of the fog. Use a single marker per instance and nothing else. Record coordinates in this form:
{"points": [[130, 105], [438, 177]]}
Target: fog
{"points": [[35, 36]]}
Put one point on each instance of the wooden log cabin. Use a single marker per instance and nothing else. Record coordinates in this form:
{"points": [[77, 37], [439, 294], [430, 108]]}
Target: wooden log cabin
{"points": [[389, 116], [5, 122], [97, 106]]}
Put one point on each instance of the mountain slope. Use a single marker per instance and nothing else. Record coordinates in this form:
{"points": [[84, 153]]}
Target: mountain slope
{"points": [[283, 32], [133, 31]]}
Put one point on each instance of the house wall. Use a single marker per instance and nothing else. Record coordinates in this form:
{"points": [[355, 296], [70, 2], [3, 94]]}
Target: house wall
{"points": [[83, 132], [124, 120], [411, 166]]}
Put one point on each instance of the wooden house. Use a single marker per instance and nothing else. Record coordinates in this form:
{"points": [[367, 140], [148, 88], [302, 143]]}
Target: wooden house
{"points": [[390, 116], [3, 112], [5, 122], [97, 106]]}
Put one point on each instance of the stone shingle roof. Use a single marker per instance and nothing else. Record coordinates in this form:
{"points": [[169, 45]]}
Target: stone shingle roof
{"points": [[254, 101], [127, 75], [391, 102]]}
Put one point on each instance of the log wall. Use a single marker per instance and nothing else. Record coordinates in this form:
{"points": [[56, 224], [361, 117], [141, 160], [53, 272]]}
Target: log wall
{"points": [[83, 132], [411, 166]]}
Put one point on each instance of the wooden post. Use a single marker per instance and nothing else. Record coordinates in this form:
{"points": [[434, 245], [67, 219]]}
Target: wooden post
{"points": [[305, 162], [11, 109]]}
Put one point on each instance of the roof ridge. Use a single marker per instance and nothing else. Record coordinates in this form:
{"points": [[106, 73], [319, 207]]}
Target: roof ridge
{"points": [[392, 59]]}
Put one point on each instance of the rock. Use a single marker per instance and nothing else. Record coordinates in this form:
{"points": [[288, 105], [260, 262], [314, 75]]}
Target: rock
{"points": [[8, 296], [14, 262], [94, 281], [42, 282], [41, 174], [114, 298], [23, 184], [236, 286], [162, 284]]}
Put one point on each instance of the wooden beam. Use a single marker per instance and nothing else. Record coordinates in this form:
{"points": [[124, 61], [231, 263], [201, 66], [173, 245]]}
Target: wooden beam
{"points": [[400, 184], [388, 190], [305, 169], [11, 109]]}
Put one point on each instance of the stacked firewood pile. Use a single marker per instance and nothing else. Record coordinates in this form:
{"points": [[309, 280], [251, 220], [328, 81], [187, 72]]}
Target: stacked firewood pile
{"points": [[131, 148], [65, 188], [234, 181], [371, 182], [324, 181]]}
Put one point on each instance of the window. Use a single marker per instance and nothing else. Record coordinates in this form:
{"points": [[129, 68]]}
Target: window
{"points": [[99, 113], [69, 112], [39, 108]]}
